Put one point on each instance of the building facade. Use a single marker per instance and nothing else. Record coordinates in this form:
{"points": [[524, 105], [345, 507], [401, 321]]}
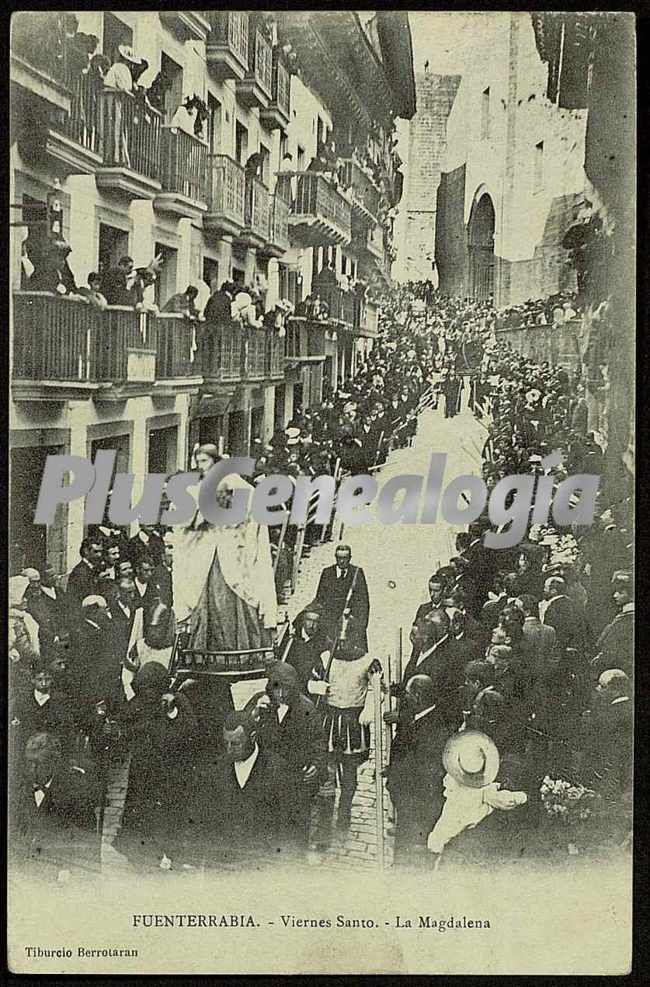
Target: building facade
{"points": [[513, 173], [427, 142], [130, 183]]}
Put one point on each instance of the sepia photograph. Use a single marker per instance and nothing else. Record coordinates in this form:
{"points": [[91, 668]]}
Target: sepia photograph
{"points": [[321, 492]]}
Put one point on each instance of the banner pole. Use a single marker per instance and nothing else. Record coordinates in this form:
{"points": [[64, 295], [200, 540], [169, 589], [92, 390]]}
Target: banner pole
{"points": [[379, 764]]}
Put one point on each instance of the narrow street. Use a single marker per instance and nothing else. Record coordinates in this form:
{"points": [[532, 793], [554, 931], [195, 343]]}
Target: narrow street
{"points": [[403, 555]]}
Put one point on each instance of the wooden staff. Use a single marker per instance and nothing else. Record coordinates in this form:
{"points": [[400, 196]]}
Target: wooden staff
{"points": [[283, 531], [300, 541], [330, 523], [379, 763]]}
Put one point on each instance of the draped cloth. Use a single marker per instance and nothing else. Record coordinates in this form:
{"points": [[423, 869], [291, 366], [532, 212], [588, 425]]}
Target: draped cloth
{"points": [[223, 581]]}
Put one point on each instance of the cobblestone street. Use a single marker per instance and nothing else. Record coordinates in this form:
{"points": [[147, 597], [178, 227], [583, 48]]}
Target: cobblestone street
{"points": [[397, 562]]}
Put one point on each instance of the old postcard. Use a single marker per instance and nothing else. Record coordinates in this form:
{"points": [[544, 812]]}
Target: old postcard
{"points": [[321, 596]]}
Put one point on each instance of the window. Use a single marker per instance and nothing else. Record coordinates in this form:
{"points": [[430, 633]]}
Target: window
{"points": [[214, 125], [538, 168], [113, 244], [172, 75], [284, 147], [116, 33], [300, 158], [241, 143], [266, 164], [485, 114], [211, 272], [165, 283]]}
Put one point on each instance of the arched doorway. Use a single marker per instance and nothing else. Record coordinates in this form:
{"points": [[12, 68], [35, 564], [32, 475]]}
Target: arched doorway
{"points": [[481, 249]]}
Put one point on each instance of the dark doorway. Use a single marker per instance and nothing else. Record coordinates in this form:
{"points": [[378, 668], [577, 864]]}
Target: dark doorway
{"points": [[481, 250], [211, 272], [162, 450], [278, 409], [29, 541], [211, 429], [116, 33], [297, 398], [113, 244]]}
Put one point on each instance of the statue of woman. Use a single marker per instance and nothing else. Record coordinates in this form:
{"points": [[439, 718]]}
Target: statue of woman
{"points": [[224, 589]]}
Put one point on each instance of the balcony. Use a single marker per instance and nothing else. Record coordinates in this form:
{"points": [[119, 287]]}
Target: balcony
{"points": [[223, 363], [38, 59], [342, 304], [225, 213], [132, 144], [178, 366], [256, 213], [367, 319], [319, 214], [276, 115], [363, 191], [305, 342], [254, 90], [74, 140], [274, 368], [227, 45], [184, 174], [66, 349], [187, 25], [126, 350], [255, 354], [278, 237]]}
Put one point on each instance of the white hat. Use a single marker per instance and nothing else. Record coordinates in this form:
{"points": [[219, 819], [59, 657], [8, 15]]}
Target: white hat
{"points": [[93, 601], [127, 53], [293, 436], [471, 758]]}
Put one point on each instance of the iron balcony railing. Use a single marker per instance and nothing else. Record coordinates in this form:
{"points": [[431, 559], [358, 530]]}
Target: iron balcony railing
{"points": [[226, 188], [281, 84], [184, 164], [132, 134], [230, 29], [279, 222], [317, 198], [84, 123], [256, 209], [261, 62], [176, 354], [57, 338]]}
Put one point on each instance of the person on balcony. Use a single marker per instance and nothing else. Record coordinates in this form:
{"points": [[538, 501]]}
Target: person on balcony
{"points": [[93, 293], [119, 76], [53, 273], [184, 303]]}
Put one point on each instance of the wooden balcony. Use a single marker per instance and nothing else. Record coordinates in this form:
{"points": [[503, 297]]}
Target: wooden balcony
{"points": [[274, 368], [367, 319], [364, 193], [254, 353], [126, 350], [178, 363], [39, 59], [256, 213], [278, 237], [187, 25], [132, 145], [54, 347], [225, 179], [64, 348], [305, 342], [255, 89], [320, 214], [342, 304], [276, 115], [223, 363], [226, 49], [184, 174]]}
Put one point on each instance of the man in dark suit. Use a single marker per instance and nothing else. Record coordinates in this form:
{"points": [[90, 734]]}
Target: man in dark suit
{"points": [[46, 603], [147, 593], [561, 613], [615, 645], [52, 816], [43, 708], [83, 579], [242, 804], [308, 645], [343, 592], [436, 660], [146, 544], [436, 593], [290, 726], [163, 574], [96, 667], [415, 771], [123, 609]]}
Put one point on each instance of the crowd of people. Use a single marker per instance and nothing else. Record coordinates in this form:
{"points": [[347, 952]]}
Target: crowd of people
{"points": [[518, 687]]}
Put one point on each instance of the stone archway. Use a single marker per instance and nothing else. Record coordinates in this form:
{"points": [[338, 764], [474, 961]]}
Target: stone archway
{"points": [[481, 248]]}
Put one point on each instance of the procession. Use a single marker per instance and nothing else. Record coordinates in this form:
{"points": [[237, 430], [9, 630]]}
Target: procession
{"points": [[371, 668]]}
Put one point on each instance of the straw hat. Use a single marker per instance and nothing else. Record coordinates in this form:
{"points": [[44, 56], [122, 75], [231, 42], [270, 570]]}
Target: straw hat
{"points": [[293, 436], [127, 53], [471, 758]]}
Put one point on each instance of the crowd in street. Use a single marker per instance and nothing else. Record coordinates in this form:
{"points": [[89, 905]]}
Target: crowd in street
{"points": [[512, 719]]}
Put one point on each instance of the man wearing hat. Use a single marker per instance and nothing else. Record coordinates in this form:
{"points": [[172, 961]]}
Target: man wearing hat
{"points": [[615, 646], [119, 75], [471, 761]]}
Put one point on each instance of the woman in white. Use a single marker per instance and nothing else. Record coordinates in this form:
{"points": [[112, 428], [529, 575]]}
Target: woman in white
{"points": [[223, 575]]}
